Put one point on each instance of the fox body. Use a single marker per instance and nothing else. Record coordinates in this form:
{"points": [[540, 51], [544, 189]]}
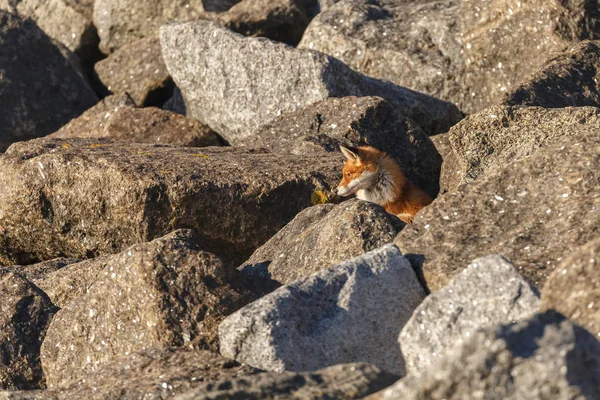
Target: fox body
{"points": [[374, 176]]}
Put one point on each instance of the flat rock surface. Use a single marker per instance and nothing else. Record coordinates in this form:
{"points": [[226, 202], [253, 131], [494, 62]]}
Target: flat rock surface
{"points": [[236, 84], [533, 212], [320, 237], [85, 197], [38, 272], [347, 313]]}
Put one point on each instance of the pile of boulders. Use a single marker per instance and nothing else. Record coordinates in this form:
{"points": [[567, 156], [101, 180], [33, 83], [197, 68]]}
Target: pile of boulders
{"points": [[169, 224]]}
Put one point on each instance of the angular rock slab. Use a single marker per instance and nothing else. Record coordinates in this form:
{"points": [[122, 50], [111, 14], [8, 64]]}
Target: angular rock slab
{"points": [[40, 89], [37, 273], [348, 313], [82, 198], [489, 292], [568, 79], [340, 382], [573, 289], [153, 295], [499, 135], [320, 237], [545, 357], [354, 121], [532, 212], [25, 312], [236, 84]]}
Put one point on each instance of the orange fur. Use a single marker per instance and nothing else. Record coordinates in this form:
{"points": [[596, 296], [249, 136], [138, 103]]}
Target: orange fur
{"points": [[405, 199]]}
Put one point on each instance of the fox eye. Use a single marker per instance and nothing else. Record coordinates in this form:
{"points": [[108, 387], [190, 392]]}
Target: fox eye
{"points": [[348, 174]]}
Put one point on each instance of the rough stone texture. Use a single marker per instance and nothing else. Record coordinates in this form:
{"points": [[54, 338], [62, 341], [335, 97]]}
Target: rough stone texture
{"points": [[138, 69], [499, 135], [124, 21], [158, 294], [489, 292], [38, 272], [236, 84], [569, 79], [25, 312], [354, 121], [40, 89], [140, 125], [413, 44], [321, 237], [545, 357], [67, 21], [340, 382], [450, 172], [533, 212], [82, 198], [573, 289], [351, 312]]}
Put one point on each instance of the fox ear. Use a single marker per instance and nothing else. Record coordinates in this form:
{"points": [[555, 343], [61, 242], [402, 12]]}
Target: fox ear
{"points": [[351, 153]]}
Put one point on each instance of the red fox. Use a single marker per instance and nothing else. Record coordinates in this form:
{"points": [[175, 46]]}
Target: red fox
{"points": [[376, 177]]}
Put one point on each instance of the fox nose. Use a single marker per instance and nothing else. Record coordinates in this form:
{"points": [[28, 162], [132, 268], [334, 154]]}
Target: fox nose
{"points": [[341, 190]]}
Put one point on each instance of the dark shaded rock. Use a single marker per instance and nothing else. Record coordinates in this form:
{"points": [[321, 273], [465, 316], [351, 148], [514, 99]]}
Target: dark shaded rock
{"points": [[354, 121], [176, 103], [351, 312], [450, 172], [82, 198], [25, 312], [340, 382], [532, 212], [236, 84], [66, 21], [500, 135], [138, 69], [38, 272], [573, 289], [40, 89], [141, 125], [545, 357], [158, 294], [488, 293], [321, 237], [569, 79]]}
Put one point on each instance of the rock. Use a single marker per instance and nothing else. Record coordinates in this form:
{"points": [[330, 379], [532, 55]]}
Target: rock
{"points": [[176, 103], [207, 61], [40, 90], [120, 22], [341, 382], [138, 69], [569, 79], [321, 237], [500, 135], [158, 294], [38, 272], [545, 357], [533, 212], [67, 21], [348, 313], [354, 121], [142, 125], [489, 292], [573, 289], [412, 44], [82, 198], [25, 312], [450, 172]]}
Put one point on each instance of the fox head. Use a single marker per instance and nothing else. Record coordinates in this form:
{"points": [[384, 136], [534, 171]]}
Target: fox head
{"points": [[359, 171]]}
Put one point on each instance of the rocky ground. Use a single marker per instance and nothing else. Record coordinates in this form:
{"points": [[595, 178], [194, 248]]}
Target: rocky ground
{"points": [[169, 228]]}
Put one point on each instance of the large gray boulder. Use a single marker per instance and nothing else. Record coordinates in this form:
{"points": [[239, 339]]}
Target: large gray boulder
{"points": [[320, 237], [236, 84], [489, 292], [86, 197], [40, 88], [153, 295], [545, 357], [533, 212], [354, 121], [573, 289], [351, 312], [500, 135]]}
